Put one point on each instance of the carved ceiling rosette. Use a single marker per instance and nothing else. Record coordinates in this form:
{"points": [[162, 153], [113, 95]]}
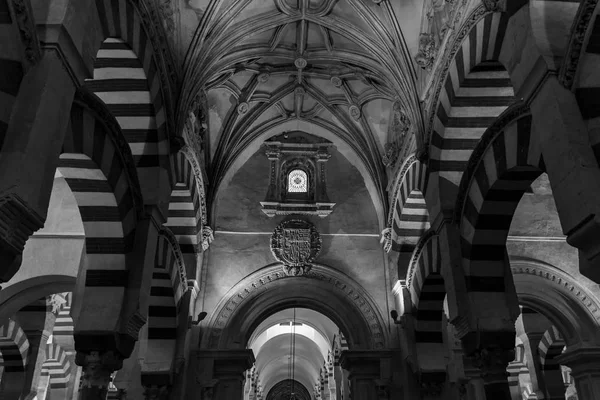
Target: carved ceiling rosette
{"points": [[295, 243]]}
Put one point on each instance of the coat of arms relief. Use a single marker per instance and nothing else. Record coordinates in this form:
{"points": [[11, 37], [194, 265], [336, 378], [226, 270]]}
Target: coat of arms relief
{"points": [[295, 243]]}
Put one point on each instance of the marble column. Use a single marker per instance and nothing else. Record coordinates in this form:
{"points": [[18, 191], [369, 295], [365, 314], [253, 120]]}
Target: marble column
{"points": [[364, 374], [157, 386], [29, 156], [98, 366], [585, 370]]}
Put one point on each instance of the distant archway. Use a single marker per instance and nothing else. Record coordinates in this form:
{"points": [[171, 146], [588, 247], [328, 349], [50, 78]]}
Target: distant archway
{"points": [[269, 290]]}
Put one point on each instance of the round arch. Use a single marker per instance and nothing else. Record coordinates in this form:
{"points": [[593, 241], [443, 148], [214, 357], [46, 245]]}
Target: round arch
{"points": [[549, 291], [19, 295], [270, 290]]}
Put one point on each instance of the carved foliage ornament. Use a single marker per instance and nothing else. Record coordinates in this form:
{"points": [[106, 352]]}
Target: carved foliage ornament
{"points": [[295, 243], [425, 58]]}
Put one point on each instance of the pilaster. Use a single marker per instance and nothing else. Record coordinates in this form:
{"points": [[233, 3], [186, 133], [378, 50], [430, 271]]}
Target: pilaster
{"points": [[585, 369], [219, 374], [367, 380]]}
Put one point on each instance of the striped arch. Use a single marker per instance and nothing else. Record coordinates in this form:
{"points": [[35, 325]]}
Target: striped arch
{"points": [[96, 168], [427, 292], [14, 348], [57, 366], [551, 346], [408, 217], [477, 90], [63, 325], [169, 283], [502, 168], [125, 79], [187, 207]]}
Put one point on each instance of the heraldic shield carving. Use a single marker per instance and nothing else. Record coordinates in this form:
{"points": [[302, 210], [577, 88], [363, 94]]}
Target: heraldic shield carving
{"points": [[295, 243]]}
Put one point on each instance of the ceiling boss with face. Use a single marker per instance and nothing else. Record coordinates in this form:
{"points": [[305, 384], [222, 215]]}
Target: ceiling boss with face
{"points": [[338, 69]]}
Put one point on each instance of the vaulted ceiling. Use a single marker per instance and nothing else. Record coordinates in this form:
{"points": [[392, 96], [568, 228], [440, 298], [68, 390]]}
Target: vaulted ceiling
{"points": [[333, 68]]}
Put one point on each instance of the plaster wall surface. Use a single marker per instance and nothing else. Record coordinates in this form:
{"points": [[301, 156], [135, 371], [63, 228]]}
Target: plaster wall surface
{"points": [[350, 242]]}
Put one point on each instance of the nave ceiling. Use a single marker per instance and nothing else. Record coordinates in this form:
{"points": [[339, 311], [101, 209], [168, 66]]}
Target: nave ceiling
{"points": [[339, 69]]}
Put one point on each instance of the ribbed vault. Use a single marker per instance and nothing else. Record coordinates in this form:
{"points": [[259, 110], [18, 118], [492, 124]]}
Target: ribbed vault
{"points": [[339, 65]]}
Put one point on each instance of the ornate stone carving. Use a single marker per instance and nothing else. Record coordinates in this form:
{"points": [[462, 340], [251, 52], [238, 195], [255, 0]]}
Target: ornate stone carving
{"points": [[98, 367], [22, 14], [300, 63], [386, 239], [391, 153], [295, 243], [425, 57], [207, 237], [262, 280], [336, 81], [264, 77], [573, 54], [156, 392], [492, 360], [199, 177], [354, 112], [56, 301], [243, 108], [174, 244], [431, 388], [492, 5]]}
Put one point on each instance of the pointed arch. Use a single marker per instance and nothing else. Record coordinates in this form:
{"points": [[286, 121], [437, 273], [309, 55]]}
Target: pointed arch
{"points": [[474, 91], [14, 349], [57, 366]]}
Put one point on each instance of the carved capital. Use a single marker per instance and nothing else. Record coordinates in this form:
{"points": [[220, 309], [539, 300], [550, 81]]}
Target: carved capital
{"points": [[98, 367], [492, 361], [207, 237]]}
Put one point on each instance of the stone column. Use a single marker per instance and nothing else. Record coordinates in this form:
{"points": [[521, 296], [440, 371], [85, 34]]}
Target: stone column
{"points": [[492, 362], [157, 386], [98, 365], [364, 374], [29, 156], [220, 375], [585, 369]]}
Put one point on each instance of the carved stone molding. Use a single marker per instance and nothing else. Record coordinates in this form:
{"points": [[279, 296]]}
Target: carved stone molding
{"points": [[295, 243], [199, 177], [431, 388], [556, 277], [23, 18], [262, 280], [207, 237], [398, 186], [511, 114], [425, 57], [386, 239], [492, 360], [433, 94], [179, 261], [574, 50]]}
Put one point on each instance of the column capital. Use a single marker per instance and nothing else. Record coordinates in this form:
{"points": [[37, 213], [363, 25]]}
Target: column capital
{"points": [[492, 360], [229, 363], [97, 368], [156, 385]]}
